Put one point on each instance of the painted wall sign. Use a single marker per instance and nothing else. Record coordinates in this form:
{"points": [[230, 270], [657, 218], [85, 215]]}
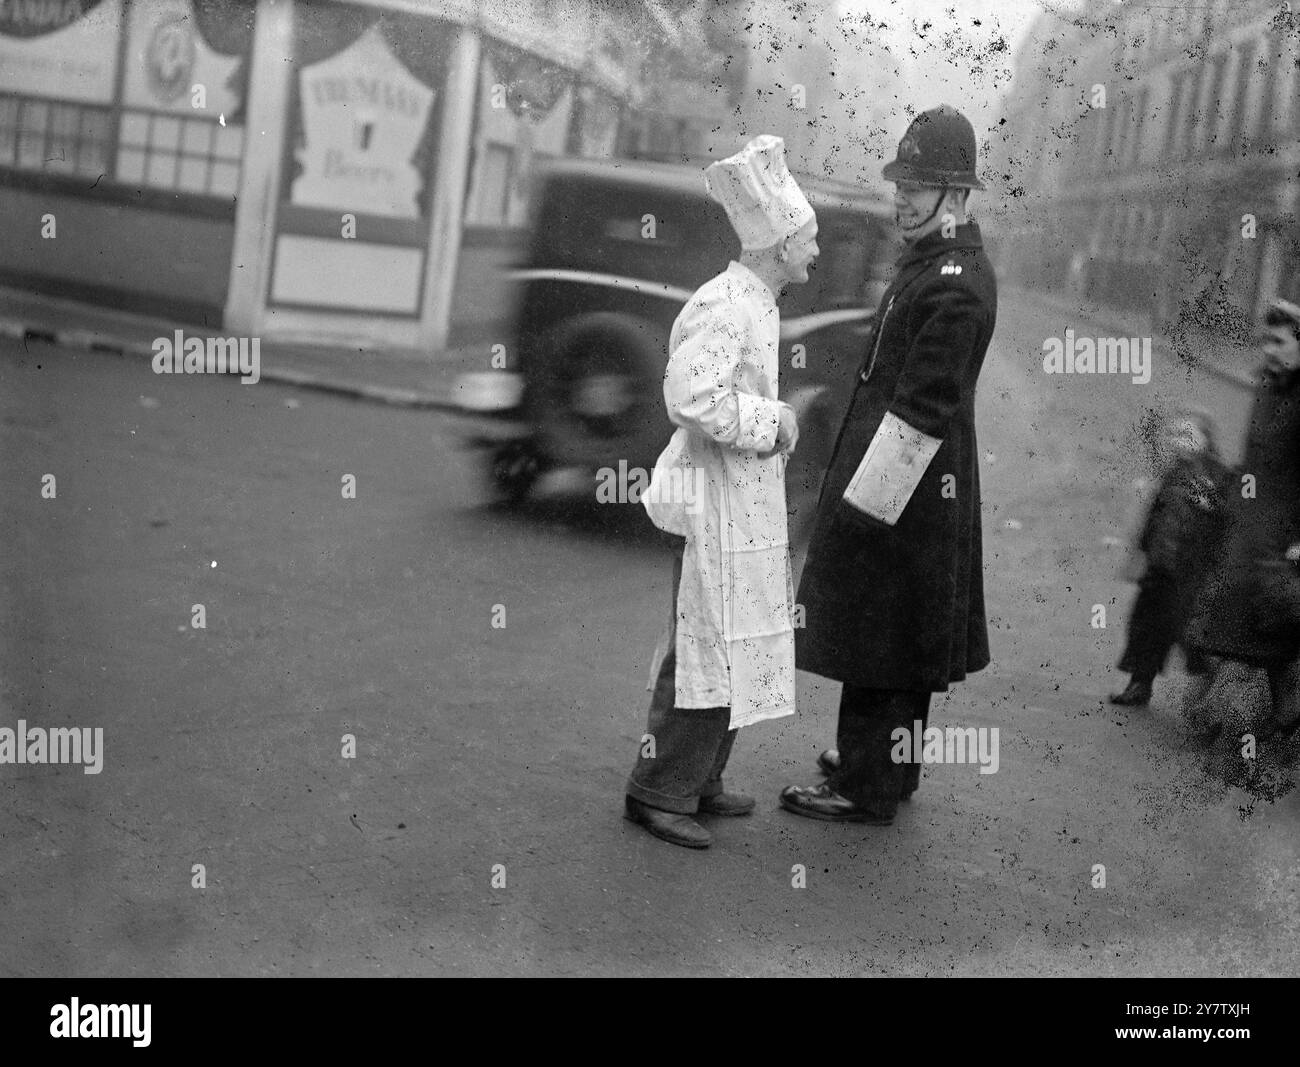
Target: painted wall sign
{"points": [[65, 50], [167, 57], [363, 116]]}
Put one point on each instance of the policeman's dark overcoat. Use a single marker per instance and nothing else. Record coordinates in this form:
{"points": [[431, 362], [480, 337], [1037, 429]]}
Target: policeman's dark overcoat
{"points": [[1234, 616], [902, 606]]}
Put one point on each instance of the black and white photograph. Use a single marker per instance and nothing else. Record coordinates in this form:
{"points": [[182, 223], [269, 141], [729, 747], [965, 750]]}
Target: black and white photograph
{"points": [[650, 488]]}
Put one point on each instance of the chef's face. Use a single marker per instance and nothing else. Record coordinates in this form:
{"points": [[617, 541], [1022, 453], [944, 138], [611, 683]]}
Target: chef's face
{"points": [[1281, 350], [800, 251]]}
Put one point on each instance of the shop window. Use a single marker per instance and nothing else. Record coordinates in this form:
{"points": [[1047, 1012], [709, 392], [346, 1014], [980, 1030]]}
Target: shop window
{"points": [[493, 199], [191, 155], [52, 137]]}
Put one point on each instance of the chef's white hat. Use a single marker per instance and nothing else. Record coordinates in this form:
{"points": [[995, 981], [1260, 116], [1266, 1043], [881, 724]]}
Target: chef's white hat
{"points": [[762, 199]]}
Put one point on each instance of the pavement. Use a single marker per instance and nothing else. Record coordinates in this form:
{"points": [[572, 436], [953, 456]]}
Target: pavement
{"points": [[395, 376], [418, 379]]}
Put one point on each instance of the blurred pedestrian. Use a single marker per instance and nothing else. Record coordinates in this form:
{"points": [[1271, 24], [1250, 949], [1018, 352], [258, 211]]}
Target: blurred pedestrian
{"points": [[1180, 540], [728, 658], [893, 588], [1249, 610]]}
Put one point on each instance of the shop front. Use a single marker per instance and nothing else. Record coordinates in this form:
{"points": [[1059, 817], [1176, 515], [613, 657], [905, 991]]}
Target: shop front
{"points": [[121, 144], [288, 169]]}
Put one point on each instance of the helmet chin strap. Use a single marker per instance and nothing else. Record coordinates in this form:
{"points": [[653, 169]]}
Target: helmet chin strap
{"points": [[943, 192]]}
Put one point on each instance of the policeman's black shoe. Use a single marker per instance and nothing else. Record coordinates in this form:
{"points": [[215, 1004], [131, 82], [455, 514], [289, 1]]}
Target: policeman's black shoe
{"points": [[1137, 694], [911, 786], [829, 761], [822, 802], [667, 825]]}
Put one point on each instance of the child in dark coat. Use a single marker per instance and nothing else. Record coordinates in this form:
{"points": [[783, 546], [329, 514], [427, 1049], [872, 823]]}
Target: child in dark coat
{"points": [[1180, 539]]}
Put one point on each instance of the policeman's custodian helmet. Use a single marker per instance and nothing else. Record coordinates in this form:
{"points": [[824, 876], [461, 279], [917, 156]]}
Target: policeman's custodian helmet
{"points": [[938, 149]]}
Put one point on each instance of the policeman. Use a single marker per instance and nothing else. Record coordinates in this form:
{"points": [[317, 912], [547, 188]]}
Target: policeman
{"points": [[893, 587]]}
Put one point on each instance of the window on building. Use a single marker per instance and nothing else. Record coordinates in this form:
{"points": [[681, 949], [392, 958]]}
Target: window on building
{"points": [[54, 137], [1193, 114], [1238, 113], [492, 202], [1173, 121], [1215, 106], [1262, 118], [190, 155], [1138, 128]]}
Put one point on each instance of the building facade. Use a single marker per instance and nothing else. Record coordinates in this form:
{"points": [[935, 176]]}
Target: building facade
{"points": [[322, 170], [1151, 157]]}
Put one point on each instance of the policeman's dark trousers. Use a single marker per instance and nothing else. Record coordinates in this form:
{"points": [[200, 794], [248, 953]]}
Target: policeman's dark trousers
{"points": [[868, 775], [691, 745]]}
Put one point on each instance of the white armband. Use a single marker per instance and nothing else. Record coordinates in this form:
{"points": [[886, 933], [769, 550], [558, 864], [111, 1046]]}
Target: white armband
{"points": [[889, 473]]}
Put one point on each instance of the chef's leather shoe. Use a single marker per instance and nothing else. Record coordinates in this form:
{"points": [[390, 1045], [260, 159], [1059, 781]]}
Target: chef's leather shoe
{"points": [[1136, 695], [822, 802], [726, 804], [667, 825]]}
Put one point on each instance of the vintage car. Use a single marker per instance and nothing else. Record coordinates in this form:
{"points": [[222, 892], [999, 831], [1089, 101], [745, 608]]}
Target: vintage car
{"points": [[615, 249]]}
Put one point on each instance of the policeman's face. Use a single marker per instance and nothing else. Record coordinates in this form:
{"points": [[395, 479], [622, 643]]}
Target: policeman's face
{"points": [[914, 209], [1281, 350], [800, 251]]}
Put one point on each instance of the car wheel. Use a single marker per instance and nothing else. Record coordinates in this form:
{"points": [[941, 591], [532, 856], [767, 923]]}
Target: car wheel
{"points": [[601, 398]]}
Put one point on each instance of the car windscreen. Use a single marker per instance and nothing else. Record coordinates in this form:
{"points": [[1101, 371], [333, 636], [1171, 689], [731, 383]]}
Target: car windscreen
{"points": [[631, 231]]}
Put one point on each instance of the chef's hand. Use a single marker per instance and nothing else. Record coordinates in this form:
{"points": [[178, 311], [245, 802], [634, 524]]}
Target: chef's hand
{"points": [[787, 430]]}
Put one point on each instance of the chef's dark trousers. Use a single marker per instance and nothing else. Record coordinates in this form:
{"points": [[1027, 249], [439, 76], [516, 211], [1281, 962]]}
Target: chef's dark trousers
{"points": [[691, 745], [868, 776]]}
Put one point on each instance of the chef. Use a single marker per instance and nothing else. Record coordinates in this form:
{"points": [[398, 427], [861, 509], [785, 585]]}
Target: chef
{"points": [[727, 659]]}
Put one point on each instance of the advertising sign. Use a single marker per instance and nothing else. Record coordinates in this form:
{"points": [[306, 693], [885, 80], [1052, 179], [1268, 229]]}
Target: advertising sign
{"points": [[363, 116], [167, 59], [62, 49]]}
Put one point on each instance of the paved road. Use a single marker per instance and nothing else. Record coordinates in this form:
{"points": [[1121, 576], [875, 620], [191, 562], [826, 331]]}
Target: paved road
{"points": [[478, 746]]}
